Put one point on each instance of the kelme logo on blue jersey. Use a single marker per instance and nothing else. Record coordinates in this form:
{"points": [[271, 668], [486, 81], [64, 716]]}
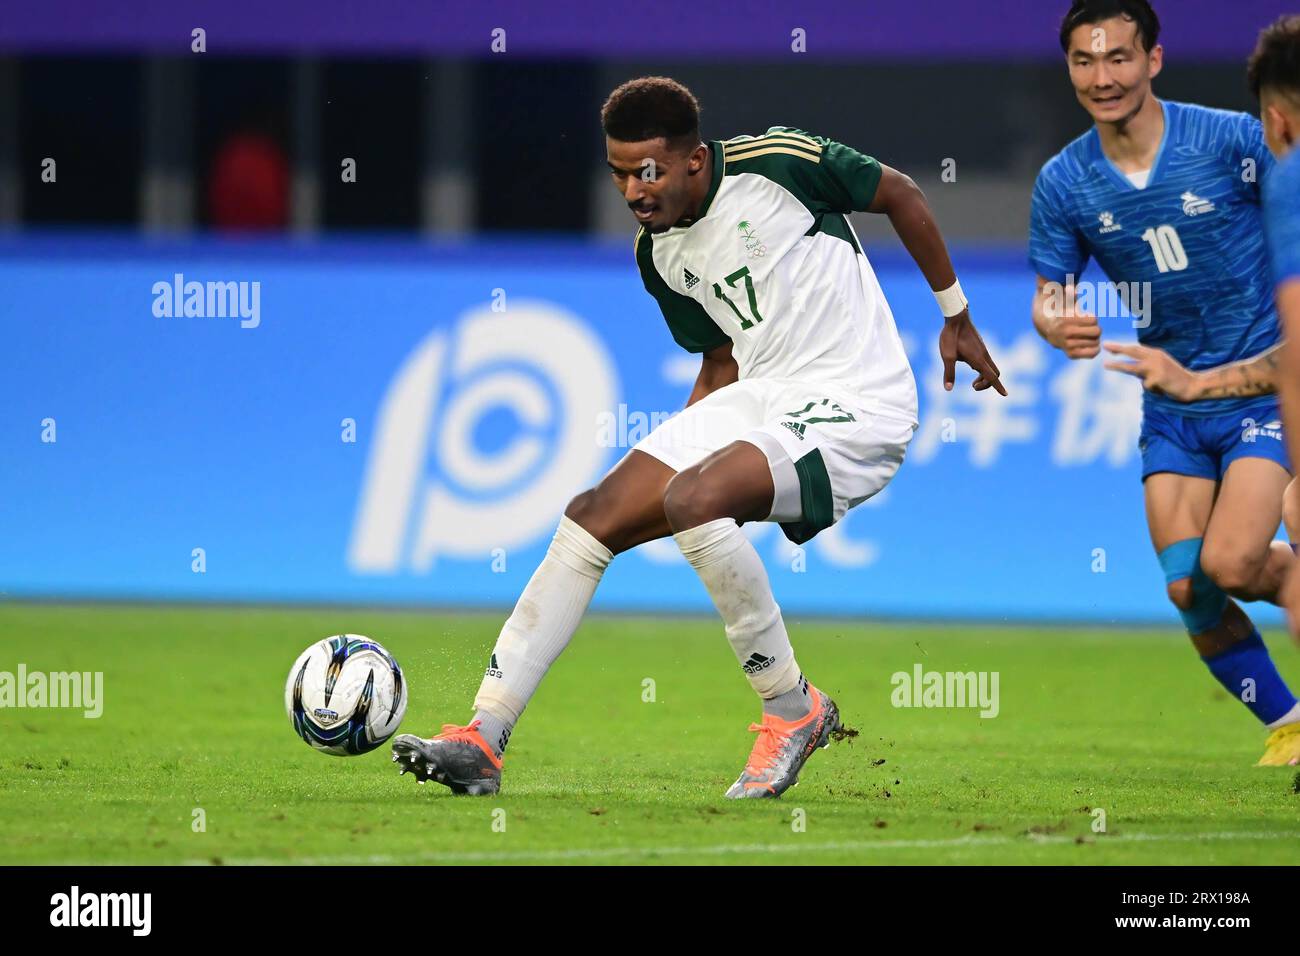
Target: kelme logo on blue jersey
{"points": [[1108, 223]]}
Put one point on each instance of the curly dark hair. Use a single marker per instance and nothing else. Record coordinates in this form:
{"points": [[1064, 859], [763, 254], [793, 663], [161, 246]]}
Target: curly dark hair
{"points": [[652, 107]]}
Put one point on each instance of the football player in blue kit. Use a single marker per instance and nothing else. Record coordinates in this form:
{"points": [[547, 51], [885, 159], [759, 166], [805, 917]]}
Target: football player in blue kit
{"points": [[1275, 79], [1274, 75], [1166, 197]]}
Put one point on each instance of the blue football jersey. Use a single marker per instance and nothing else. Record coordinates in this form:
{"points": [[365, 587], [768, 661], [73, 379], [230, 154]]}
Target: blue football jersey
{"points": [[1282, 218], [1193, 238]]}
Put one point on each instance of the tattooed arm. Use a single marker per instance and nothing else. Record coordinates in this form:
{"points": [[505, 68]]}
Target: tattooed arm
{"points": [[1160, 372]]}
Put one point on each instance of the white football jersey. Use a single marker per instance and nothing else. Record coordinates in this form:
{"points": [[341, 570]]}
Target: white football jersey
{"points": [[773, 265]]}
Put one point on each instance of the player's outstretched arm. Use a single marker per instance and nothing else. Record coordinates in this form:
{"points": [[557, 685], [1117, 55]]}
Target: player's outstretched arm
{"points": [[1062, 324], [1161, 372], [717, 369], [899, 198]]}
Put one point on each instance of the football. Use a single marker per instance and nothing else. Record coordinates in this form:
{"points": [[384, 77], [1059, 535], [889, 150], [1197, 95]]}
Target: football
{"points": [[345, 695]]}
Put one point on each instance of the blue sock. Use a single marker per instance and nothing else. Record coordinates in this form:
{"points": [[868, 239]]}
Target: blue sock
{"points": [[1248, 674]]}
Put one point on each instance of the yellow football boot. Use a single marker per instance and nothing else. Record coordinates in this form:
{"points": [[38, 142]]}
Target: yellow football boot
{"points": [[1282, 749]]}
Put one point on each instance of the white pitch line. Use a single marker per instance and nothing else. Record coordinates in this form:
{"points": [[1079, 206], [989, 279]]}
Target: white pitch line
{"points": [[598, 853]]}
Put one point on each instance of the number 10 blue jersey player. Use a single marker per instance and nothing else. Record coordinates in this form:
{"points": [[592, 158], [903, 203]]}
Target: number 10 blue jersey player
{"points": [[1166, 198]]}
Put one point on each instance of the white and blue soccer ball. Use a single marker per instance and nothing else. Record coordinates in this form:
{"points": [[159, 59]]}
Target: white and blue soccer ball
{"points": [[345, 695]]}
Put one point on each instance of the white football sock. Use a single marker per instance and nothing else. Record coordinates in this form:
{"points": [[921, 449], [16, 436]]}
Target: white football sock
{"points": [[735, 578], [544, 618]]}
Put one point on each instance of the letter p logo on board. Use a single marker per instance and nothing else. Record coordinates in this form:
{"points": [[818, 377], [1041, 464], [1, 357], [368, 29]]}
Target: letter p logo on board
{"points": [[533, 379]]}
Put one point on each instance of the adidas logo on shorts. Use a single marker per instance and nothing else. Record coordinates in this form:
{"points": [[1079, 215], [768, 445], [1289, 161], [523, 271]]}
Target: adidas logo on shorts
{"points": [[691, 280], [796, 427]]}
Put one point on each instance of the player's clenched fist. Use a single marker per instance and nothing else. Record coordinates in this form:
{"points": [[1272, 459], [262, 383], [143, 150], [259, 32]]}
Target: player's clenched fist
{"points": [[1078, 335], [1065, 326]]}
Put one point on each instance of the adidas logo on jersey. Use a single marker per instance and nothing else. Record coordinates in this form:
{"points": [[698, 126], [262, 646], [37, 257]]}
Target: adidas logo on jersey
{"points": [[493, 670], [1108, 223], [757, 662], [1194, 205], [692, 280], [796, 427]]}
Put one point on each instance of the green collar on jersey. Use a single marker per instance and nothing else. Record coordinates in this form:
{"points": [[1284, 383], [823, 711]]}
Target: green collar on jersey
{"points": [[719, 164]]}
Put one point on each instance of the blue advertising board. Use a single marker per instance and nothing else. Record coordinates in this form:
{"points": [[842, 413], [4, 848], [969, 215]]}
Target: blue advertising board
{"points": [[389, 421]]}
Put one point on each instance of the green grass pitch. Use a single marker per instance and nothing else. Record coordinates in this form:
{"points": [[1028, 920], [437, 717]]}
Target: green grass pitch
{"points": [[1124, 721]]}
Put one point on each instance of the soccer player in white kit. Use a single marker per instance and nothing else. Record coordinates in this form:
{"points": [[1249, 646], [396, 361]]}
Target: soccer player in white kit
{"points": [[803, 408]]}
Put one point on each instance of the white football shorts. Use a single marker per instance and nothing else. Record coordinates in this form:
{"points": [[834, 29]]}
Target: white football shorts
{"points": [[826, 453]]}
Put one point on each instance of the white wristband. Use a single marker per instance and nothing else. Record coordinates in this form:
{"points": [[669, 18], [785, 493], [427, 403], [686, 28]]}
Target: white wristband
{"points": [[951, 301]]}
